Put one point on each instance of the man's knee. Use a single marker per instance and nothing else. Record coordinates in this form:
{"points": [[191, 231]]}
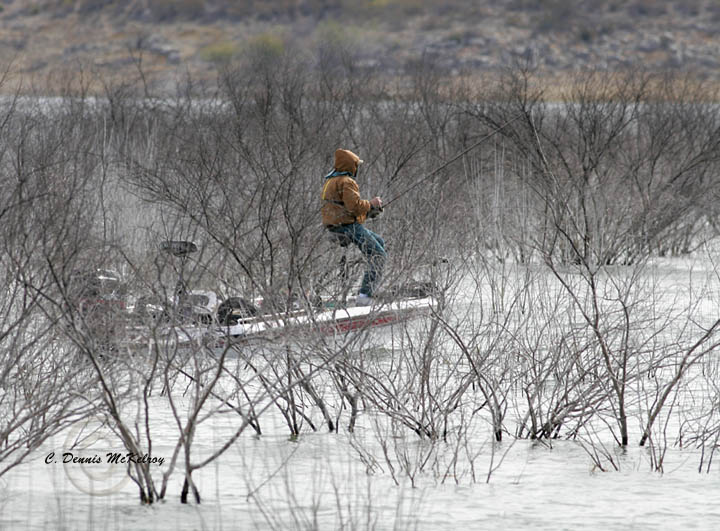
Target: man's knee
{"points": [[376, 251], [378, 245]]}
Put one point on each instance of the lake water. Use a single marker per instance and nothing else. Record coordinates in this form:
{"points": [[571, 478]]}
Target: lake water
{"points": [[323, 485], [375, 478]]}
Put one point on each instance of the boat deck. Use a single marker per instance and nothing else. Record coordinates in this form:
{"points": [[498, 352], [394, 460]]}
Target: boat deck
{"points": [[330, 320]]}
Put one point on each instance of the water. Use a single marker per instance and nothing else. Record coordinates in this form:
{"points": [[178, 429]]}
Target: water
{"points": [[319, 482], [383, 476]]}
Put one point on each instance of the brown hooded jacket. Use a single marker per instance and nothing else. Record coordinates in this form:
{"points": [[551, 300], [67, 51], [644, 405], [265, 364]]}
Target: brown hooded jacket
{"points": [[341, 196]]}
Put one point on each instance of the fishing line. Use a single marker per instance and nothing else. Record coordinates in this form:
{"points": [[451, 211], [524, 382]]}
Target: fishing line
{"points": [[456, 157]]}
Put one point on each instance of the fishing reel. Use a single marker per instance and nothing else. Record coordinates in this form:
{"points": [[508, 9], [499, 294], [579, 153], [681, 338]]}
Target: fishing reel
{"points": [[374, 212]]}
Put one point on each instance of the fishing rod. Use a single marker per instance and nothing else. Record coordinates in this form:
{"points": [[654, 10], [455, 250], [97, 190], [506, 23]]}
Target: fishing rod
{"points": [[446, 164]]}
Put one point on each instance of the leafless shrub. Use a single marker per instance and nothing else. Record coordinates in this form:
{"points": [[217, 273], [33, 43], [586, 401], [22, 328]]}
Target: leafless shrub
{"points": [[619, 168], [43, 385]]}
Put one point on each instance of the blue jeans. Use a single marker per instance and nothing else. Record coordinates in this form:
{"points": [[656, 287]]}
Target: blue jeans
{"points": [[373, 247]]}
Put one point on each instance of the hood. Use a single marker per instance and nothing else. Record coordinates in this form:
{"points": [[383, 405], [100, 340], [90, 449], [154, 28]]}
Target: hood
{"points": [[346, 160]]}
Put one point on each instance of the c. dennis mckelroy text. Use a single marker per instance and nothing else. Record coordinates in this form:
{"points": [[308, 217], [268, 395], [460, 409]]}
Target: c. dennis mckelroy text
{"points": [[111, 458]]}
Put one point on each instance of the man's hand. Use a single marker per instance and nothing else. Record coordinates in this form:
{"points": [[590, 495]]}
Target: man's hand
{"points": [[375, 208]]}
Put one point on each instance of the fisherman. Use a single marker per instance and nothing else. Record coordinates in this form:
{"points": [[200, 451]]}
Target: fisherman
{"points": [[343, 213]]}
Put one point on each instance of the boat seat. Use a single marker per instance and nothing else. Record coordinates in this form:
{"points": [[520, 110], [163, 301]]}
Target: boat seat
{"points": [[343, 240]]}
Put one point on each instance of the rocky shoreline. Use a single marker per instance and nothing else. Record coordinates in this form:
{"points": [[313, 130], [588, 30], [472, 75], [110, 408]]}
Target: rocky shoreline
{"points": [[559, 37]]}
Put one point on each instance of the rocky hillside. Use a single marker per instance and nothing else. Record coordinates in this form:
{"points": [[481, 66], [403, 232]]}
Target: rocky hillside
{"points": [[54, 39]]}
